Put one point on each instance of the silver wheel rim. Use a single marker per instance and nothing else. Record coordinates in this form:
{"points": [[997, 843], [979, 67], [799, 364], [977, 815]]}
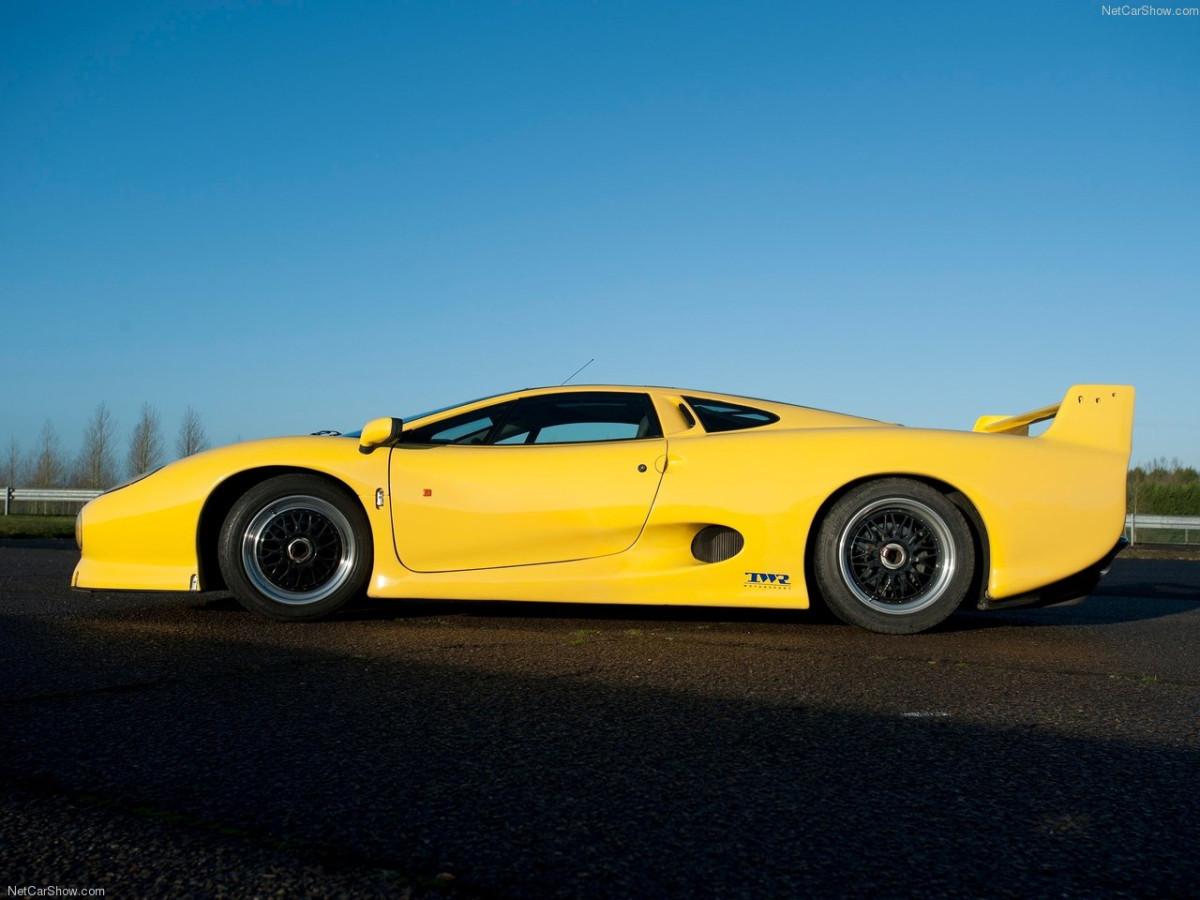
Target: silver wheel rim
{"points": [[298, 550], [897, 556]]}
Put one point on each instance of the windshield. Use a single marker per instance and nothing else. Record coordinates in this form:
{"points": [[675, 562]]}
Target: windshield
{"points": [[429, 412], [442, 409]]}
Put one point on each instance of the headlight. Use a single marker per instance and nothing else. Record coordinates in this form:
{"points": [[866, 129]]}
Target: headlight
{"points": [[79, 530]]}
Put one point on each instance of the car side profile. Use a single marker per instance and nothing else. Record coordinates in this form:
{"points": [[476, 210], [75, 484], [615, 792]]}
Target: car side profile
{"points": [[644, 495]]}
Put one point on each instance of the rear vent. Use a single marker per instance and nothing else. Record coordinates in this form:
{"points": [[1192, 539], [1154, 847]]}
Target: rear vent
{"points": [[717, 543]]}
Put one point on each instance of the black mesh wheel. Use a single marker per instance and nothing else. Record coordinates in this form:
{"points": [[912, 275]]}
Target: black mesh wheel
{"points": [[894, 556], [296, 547]]}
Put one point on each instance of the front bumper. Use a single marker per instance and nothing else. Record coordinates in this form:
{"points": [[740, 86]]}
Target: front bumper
{"points": [[1070, 590]]}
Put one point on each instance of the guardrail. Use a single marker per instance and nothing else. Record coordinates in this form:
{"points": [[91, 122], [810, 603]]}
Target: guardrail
{"points": [[1189, 525], [45, 495]]}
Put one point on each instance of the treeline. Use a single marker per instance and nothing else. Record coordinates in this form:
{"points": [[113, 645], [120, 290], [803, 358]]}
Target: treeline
{"points": [[1163, 488], [106, 457]]}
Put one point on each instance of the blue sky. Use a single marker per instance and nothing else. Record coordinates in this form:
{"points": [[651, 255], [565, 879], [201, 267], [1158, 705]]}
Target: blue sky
{"points": [[301, 216]]}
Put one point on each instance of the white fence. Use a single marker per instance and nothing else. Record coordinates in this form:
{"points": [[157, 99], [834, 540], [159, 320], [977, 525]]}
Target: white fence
{"points": [[1189, 525], [45, 495]]}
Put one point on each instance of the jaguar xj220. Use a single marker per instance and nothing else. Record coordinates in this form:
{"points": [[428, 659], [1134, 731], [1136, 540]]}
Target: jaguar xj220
{"points": [[647, 495]]}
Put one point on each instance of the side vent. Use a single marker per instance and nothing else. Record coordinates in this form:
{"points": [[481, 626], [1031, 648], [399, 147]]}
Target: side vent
{"points": [[717, 543]]}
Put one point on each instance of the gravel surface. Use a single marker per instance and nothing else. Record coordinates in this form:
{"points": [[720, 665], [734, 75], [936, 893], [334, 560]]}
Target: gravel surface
{"points": [[174, 745]]}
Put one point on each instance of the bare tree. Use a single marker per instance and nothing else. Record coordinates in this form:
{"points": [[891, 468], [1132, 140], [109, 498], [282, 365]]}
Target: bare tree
{"points": [[97, 466], [145, 444], [49, 470], [13, 464], [192, 437]]}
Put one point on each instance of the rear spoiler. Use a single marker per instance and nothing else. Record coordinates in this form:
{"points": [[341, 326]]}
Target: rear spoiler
{"points": [[1095, 415]]}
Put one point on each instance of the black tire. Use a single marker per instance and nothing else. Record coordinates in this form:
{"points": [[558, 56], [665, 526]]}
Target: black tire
{"points": [[296, 548], [894, 556]]}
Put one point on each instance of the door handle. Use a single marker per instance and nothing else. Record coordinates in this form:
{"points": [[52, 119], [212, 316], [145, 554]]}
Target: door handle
{"points": [[670, 459]]}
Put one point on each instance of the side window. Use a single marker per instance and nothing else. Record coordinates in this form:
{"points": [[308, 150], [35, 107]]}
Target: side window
{"points": [[718, 415], [469, 428], [583, 417]]}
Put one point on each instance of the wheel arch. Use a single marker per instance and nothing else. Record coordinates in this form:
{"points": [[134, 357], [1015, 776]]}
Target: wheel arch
{"points": [[975, 524], [220, 502]]}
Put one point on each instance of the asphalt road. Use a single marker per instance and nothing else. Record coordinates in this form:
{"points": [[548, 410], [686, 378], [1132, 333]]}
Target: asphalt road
{"points": [[174, 745]]}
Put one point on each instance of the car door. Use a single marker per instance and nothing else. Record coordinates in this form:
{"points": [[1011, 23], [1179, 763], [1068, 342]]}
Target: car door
{"points": [[546, 478]]}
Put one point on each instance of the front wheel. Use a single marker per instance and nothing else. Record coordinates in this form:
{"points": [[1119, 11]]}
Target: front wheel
{"points": [[295, 548], [894, 556]]}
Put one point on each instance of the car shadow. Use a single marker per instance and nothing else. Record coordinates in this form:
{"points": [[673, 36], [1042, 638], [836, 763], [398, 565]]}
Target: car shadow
{"points": [[387, 610], [1138, 590]]}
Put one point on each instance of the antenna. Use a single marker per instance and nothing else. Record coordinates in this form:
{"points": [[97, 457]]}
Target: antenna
{"points": [[577, 371]]}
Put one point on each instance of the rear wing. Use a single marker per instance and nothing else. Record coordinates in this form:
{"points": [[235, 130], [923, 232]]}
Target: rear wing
{"points": [[1094, 415]]}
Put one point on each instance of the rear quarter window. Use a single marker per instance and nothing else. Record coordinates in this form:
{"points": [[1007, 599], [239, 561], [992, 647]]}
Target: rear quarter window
{"points": [[719, 415]]}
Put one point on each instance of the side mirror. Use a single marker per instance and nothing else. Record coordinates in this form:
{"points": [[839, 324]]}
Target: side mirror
{"points": [[378, 432]]}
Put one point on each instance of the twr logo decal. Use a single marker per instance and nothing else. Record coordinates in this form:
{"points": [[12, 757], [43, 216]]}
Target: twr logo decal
{"points": [[768, 579]]}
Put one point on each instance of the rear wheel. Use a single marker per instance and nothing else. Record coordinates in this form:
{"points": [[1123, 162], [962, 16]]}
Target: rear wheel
{"points": [[894, 556], [295, 548]]}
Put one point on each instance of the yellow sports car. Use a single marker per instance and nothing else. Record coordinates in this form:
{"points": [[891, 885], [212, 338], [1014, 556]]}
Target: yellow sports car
{"points": [[636, 495]]}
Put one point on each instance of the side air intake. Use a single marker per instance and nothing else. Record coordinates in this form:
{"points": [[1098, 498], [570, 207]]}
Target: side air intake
{"points": [[717, 543]]}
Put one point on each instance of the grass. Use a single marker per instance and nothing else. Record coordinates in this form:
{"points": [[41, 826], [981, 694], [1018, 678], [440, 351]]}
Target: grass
{"points": [[1166, 535], [1161, 551], [37, 527]]}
